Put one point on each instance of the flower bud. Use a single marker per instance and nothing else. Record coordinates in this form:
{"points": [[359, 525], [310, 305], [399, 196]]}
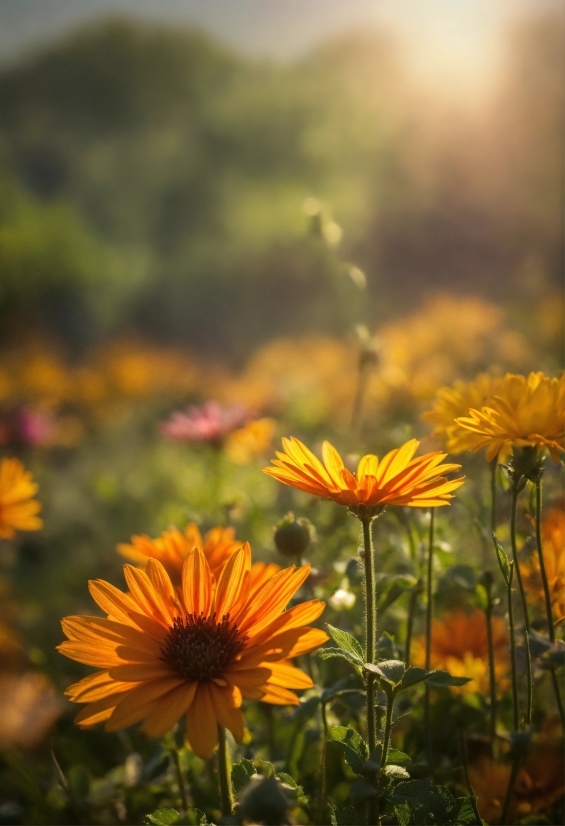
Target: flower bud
{"points": [[292, 536]]}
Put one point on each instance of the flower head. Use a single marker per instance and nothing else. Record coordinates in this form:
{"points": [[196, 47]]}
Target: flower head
{"points": [[524, 412], [455, 401], [460, 646], [250, 441], [397, 479], [173, 546], [198, 650], [553, 544], [209, 424], [18, 508]]}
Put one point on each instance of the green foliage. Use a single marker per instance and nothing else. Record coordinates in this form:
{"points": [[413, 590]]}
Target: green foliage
{"points": [[419, 802], [344, 816], [163, 817], [506, 567], [347, 643], [352, 746]]}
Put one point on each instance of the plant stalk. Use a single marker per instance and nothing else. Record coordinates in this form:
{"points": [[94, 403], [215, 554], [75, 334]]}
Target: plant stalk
{"points": [[510, 791], [415, 593], [323, 779], [491, 668], [370, 649], [513, 651], [224, 771], [493, 470], [429, 617], [547, 597], [465, 762], [388, 727], [180, 778], [515, 491]]}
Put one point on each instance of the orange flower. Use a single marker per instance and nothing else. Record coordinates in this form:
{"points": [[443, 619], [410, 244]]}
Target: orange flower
{"points": [[525, 412], [199, 651], [250, 441], [172, 547], [29, 707], [538, 786], [398, 479], [553, 544], [460, 646], [18, 508]]}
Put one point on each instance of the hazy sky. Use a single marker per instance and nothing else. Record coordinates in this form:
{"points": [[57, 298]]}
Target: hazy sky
{"points": [[455, 41]]}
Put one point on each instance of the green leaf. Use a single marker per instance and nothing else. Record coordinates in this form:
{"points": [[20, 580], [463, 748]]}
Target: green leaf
{"points": [[352, 746], [506, 566], [162, 817], [399, 758], [344, 816], [347, 642], [241, 774], [403, 813], [392, 586], [429, 804], [289, 781], [373, 764], [463, 811], [391, 671], [361, 790], [441, 679], [395, 773], [328, 653], [413, 675]]}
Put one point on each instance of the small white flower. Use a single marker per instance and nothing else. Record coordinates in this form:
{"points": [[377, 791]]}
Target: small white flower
{"points": [[342, 599]]}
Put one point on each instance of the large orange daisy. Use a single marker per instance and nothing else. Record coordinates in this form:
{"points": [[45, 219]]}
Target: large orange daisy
{"points": [[524, 412], [397, 479], [199, 651], [18, 508]]}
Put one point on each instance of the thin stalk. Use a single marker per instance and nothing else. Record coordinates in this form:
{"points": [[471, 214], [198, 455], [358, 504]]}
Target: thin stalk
{"points": [[356, 418], [510, 791], [323, 779], [388, 727], [491, 670], [180, 778], [515, 491], [513, 650], [224, 771], [547, 596], [415, 593], [493, 470], [465, 762], [370, 649], [429, 616]]}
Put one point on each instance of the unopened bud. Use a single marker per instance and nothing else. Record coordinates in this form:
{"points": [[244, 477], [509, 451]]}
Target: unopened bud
{"points": [[292, 536]]}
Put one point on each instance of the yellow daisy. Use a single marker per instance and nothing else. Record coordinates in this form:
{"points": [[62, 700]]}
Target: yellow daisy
{"points": [[524, 412], [18, 508], [164, 653]]}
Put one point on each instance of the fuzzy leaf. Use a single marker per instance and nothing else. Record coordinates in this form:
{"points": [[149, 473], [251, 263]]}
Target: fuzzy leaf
{"points": [[413, 675], [352, 746], [162, 817], [399, 758], [505, 566], [344, 816], [347, 642], [328, 653], [440, 679], [241, 774], [391, 671]]}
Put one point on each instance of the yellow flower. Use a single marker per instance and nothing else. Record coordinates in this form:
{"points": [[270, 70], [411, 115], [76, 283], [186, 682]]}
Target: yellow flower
{"points": [[398, 479], [18, 508], [172, 547], [553, 544], [29, 707], [525, 412], [455, 401], [250, 441], [460, 646], [165, 653]]}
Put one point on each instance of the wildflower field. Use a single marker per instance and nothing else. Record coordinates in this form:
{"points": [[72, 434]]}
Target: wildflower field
{"points": [[282, 505]]}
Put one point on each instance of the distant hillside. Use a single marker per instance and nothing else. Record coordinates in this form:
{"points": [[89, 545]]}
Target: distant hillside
{"points": [[187, 167]]}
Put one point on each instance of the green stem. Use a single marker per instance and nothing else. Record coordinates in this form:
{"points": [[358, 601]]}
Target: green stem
{"points": [[547, 596], [491, 669], [226, 793], [370, 648], [429, 616], [465, 763], [513, 650], [180, 779], [323, 779], [515, 491], [493, 471], [415, 593], [356, 419], [510, 790], [388, 727]]}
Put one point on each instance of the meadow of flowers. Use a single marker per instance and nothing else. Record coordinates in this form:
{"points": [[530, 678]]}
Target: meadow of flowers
{"points": [[361, 623]]}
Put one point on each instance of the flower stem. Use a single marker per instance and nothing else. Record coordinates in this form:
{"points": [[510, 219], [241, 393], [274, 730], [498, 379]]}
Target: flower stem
{"points": [[226, 793], [370, 648], [429, 616], [491, 669], [510, 791], [180, 778], [493, 471], [415, 593], [323, 779], [513, 651], [465, 764], [388, 727], [547, 596], [515, 491]]}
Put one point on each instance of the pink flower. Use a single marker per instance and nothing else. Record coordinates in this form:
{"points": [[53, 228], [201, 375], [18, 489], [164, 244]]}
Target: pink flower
{"points": [[209, 423], [26, 427]]}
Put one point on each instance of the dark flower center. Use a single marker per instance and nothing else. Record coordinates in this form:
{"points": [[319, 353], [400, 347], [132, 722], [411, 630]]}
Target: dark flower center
{"points": [[200, 648]]}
